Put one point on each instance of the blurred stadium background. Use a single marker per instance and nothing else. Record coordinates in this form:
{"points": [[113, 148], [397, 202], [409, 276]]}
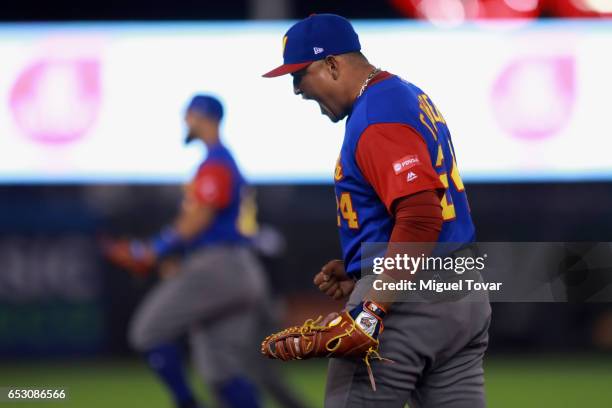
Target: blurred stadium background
{"points": [[91, 144]]}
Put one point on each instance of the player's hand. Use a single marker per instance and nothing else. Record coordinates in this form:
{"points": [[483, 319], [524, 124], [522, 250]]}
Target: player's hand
{"points": [[131, 255], [333, 281]]}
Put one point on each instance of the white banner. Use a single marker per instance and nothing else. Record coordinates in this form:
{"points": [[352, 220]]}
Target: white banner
{"points": [[104, 102]]}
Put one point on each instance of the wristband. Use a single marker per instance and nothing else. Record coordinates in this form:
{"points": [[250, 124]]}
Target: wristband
{"points": [[166, 242], [375, 309]]}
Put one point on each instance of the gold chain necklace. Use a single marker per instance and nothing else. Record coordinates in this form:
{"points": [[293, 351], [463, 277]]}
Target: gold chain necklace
{"points": [[367, 81]]}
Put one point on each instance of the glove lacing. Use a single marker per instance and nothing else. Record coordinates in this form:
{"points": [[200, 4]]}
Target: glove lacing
{"points": [[311, 325], [372, 353]]}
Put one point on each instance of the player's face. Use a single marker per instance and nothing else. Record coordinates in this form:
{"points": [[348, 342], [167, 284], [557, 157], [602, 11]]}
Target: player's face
{"points": [[190, 121], [200, 127], [316, 83]]}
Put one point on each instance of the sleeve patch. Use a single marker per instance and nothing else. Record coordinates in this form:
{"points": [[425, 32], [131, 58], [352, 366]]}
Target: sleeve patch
{"points": [[405, 163], [395, 161]]}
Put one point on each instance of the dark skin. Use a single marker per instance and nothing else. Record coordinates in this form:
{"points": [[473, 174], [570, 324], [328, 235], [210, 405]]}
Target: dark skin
{"points": [[333, 82]]}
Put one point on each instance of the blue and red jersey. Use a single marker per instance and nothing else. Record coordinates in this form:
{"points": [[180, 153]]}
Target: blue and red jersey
{"points": [[396, 144], [220, 184]]}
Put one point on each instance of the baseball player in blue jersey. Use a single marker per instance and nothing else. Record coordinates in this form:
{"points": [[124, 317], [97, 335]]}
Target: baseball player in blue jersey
{"points": [[396, 180], [216, 295]]}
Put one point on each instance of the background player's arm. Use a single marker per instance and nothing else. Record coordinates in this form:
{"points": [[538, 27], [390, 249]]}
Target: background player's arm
{"points": [[209, 192], [194, 217]]}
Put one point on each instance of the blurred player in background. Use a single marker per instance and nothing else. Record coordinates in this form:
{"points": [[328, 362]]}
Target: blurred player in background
{"points": [[396, 180], [217, 295]]}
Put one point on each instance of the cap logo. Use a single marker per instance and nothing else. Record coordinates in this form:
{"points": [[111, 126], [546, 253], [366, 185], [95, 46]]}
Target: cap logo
{"points": [[317, 50], [284, 44]]}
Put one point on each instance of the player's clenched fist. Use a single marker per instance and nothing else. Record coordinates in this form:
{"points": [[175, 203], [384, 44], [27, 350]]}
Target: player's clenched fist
{"points": [[333, 281]]}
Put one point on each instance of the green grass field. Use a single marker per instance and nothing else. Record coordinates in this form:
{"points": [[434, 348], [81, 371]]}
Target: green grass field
{"points": [[511, 382]]}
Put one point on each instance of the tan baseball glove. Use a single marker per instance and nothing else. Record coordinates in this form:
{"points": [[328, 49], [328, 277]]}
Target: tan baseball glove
{"points": [[342, 337]]}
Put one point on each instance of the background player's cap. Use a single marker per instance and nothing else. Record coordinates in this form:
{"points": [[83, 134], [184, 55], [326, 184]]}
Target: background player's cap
{"points": [[206, 105], [313, 39]]}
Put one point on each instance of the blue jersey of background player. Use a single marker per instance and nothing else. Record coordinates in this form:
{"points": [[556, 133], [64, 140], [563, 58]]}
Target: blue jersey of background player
{"points": [[396, 144], [219, 184], [223, 203]]}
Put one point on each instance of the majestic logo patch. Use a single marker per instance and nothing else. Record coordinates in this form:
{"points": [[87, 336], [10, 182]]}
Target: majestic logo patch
{"points": [[317, 50], [411, 176], [406, 163]]}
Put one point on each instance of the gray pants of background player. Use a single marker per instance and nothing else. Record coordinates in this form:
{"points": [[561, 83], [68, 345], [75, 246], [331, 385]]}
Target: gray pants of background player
{"points": [[214, 298], [438, 349]]}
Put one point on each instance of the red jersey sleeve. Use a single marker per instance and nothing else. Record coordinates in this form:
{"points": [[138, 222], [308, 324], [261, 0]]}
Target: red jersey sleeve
{"points": [[394, 159], [212, 185]]}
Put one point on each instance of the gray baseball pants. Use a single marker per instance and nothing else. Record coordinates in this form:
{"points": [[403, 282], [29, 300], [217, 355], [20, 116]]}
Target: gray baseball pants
{"points": [[214, 298], [438, 349]]}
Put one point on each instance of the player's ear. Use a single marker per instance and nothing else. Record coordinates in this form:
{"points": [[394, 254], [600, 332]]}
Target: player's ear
{"points": [[331, 63]]}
